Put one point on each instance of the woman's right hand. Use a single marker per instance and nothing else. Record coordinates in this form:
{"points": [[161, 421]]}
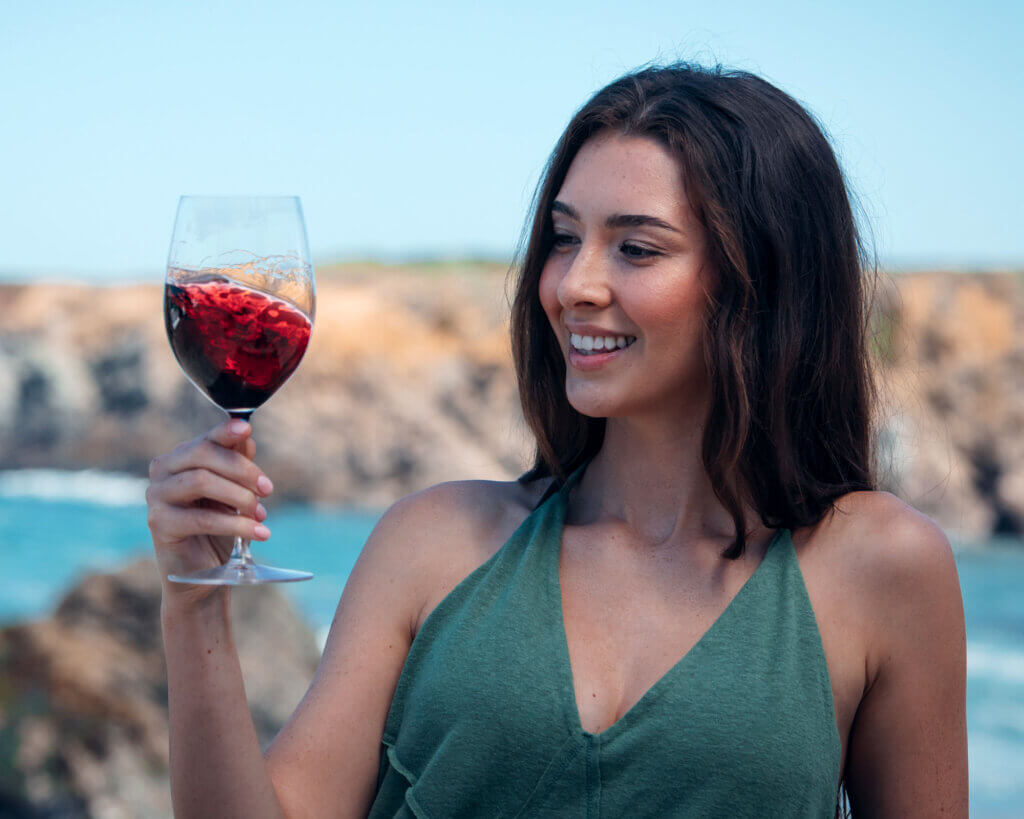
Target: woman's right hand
{"points": [[192, 497]]}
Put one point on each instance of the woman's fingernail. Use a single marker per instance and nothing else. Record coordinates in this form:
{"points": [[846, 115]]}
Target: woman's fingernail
{"points": [[261, 531], [264, 485], [237, 427], [261, 511]]}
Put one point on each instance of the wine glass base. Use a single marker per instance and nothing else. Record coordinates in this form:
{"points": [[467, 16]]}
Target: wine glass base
{"points": [[238, 573]]}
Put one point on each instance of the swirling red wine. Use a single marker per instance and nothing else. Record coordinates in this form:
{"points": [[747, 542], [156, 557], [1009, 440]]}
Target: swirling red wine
{"points": [[237, 344]]}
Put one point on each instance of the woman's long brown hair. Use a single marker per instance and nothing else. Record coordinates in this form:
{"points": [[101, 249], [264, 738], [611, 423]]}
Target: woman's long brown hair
{"points": [[785, 333]]}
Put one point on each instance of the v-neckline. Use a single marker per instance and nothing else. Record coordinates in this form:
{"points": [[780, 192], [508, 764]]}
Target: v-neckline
{"points": [[637, 707]]}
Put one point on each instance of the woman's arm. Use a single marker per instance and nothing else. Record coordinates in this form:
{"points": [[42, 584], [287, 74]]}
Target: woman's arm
{"points": [[324, 762], [907, 754], [216, 765]]}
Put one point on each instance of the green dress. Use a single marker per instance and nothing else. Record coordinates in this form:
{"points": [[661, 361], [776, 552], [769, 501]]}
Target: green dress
{"points": [[484, 720]]}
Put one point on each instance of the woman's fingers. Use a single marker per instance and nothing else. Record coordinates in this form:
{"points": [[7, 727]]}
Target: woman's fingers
{"points": [[229, 433], [175, 523], [196, 489], [212, 452], [261, 512], [186, 487]]}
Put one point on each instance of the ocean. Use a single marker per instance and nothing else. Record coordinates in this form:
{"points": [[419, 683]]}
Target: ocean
{"points": [[57, 526]]}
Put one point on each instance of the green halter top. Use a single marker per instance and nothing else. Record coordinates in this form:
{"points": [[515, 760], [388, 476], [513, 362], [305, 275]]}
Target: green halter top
{"points": [[484, 720]]}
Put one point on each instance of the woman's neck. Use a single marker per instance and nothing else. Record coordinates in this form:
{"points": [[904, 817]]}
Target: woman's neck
{"points": [[649, 476]]}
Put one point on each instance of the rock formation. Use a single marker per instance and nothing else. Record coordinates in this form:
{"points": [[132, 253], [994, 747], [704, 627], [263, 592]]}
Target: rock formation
{"points": [[408, 382], [952, 358], [83, 695]]}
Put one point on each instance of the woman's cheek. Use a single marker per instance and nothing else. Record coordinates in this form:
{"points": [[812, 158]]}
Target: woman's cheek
{"points": [[548, 293]]}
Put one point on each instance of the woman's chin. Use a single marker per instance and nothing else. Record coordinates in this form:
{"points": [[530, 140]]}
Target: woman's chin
{"points": [[594, 406]]}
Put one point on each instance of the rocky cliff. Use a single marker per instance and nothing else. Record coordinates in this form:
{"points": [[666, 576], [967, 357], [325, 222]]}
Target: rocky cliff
{"points": [[408, 382], [952, 415], [83, 695]]}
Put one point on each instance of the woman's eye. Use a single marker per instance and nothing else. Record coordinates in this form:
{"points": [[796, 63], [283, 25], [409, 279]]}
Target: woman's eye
{"points": [[563, 240], [638, 252]]}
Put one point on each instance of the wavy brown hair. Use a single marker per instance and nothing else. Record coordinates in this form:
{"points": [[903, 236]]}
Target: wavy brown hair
{"points": [[785, 334]]}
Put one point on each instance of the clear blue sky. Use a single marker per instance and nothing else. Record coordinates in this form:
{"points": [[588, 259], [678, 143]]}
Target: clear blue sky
{"points": [[421, 128]]}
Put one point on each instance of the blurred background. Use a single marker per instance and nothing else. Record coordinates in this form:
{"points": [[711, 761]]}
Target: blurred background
{"points": [[415, 134]]}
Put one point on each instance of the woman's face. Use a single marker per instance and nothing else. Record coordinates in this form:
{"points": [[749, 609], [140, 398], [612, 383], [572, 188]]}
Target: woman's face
{"points": [[627, 263]]}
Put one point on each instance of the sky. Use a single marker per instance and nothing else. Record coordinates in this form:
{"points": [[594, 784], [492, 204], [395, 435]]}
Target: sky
{"points": [[419, 129]]}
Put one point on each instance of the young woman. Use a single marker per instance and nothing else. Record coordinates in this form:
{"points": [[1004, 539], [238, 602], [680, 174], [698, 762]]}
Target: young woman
{"points": [[695, 603]]}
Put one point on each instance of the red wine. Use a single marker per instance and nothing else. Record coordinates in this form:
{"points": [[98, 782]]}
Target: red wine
{"points": [[238, 345]]}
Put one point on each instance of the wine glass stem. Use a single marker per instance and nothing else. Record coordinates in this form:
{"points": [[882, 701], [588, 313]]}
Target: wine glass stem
{"points": [[240, 553], [240, 556]]}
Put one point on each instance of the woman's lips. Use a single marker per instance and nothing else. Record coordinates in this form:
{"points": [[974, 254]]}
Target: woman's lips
{"points": [[596, 360]]}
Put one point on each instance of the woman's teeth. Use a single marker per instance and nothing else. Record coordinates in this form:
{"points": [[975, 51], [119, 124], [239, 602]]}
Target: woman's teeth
{"points": [[596, 344]]}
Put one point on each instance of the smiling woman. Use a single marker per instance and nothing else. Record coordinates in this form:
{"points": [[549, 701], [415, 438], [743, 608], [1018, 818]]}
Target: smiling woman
{"points": [[696, 602], [638, 272], [746, 213], [703, 213]]}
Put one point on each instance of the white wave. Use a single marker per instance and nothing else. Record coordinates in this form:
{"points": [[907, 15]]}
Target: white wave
{"points": [[995, 765], [997, 716], [995, 662], [88, 485]]}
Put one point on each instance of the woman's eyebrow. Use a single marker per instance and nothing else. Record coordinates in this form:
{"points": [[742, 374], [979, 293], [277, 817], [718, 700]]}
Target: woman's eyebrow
{"points": [[617, 220]]}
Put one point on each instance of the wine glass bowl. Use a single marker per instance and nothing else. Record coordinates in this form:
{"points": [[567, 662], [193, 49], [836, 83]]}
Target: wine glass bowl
{"points": [[236, 343], [239, 303]]}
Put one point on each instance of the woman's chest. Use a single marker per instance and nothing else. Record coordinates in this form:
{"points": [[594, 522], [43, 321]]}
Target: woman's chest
{"points": [[632, 626], [496, 687], [492, 708]]}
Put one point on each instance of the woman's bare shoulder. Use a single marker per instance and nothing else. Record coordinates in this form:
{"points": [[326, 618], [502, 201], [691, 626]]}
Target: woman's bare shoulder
{"points": [[444, 532], [908, 743], [885, 532], [899, 561], [468, 509]]}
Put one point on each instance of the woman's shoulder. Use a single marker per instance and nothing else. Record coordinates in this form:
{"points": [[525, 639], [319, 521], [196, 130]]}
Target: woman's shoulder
{"points": [[440, 534], [884, 542], [910, 717], [884, 533], [901, 566], [473, 507]]}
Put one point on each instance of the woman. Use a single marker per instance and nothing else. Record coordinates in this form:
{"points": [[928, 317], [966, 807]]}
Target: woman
{"points": [[695, 603]]}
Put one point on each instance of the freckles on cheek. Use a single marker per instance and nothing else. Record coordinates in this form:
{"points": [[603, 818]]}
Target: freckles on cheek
{"points": [[548, 293], [670, 307]]}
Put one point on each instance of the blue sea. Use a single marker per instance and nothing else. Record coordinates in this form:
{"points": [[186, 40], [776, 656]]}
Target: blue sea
{"points": [[57, 526]]}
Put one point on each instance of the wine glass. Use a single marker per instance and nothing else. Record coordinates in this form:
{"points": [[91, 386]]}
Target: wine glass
{"points": [[239, 299]]}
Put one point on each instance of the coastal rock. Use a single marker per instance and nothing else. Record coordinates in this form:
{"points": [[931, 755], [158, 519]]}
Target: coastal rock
{"points": [[954, 383], [83, 695], [408, 382]]}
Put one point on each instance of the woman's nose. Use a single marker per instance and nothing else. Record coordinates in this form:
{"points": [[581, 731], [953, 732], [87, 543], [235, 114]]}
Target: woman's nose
{"points": [[585, 280]]}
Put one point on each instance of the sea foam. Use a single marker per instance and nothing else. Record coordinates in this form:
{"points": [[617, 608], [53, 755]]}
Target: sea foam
{"points": [[995, 662], [86, 485]]}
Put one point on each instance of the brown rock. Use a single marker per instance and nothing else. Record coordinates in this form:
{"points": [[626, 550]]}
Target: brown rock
{"points": [[84, 695], [955, 399], [408, 382]]}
